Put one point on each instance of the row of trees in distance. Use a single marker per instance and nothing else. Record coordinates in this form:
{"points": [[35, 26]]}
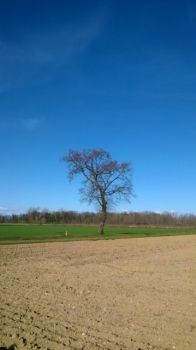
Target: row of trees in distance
{"points": [[35, 216]]}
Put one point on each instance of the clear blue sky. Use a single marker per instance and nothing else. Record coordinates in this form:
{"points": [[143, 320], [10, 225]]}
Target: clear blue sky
{"points": [[119, 75]]}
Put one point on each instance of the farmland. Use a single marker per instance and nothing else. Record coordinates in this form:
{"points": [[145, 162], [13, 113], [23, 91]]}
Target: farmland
{"points": [[128, 294], [35, 233]]}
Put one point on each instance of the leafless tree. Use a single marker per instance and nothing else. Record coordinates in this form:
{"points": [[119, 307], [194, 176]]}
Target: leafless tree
{"points": [[105, 181]]}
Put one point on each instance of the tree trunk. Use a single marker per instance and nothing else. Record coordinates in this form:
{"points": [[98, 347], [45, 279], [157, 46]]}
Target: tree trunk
{"points": [[103, 221]]}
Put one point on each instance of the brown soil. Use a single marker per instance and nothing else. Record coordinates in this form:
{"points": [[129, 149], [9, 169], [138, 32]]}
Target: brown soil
{"points": [[136, 294]]}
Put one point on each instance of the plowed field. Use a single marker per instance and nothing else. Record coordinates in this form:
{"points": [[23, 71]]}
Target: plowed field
{"points": [[136, 294]]}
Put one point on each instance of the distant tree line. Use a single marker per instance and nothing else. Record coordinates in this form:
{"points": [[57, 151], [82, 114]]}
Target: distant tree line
{"points": [[35, 216]]}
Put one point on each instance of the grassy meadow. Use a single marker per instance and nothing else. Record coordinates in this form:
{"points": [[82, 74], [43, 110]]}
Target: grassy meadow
{"points": [[10, 233]]}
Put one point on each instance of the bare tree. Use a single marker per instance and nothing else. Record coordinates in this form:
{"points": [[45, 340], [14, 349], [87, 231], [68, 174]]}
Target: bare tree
{"points": [[105, 181]]}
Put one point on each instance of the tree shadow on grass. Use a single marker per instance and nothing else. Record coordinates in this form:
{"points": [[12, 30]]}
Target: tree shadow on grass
{"points": [[127, 233], [133, 234]]}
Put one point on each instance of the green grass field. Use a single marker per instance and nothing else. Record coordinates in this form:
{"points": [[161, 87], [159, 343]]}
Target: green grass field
{"points": [[36, 233]]}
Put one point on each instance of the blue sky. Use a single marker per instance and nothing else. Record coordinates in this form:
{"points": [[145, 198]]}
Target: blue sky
{"points": [[118, 75]]}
